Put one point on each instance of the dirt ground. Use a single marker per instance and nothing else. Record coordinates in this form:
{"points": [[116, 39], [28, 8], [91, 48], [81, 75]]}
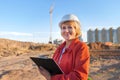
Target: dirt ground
{"points": [[22, 68], [105, 69], [15, 62], [19, 68]]}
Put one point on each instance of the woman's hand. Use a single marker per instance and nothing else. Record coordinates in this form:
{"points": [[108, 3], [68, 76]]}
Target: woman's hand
{"points": [[45, 73]]}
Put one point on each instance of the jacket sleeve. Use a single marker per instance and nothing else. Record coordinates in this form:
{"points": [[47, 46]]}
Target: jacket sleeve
{"points": [[81, 66]]}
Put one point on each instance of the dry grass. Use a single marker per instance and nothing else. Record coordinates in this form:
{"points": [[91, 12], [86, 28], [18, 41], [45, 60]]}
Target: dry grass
{"points": [[11, 47]]}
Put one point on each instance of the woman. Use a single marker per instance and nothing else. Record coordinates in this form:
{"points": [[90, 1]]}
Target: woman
{"points": [[72, 55]]}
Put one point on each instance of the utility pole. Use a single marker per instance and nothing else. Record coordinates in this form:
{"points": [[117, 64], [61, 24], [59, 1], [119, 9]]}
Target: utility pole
{"points": [[50, 12]]}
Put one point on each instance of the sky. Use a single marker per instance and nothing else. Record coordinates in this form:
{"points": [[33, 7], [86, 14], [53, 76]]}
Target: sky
{"points": [[29, 20]]}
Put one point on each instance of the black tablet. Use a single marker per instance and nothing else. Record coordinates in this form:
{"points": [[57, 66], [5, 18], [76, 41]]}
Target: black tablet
{"points": [[49, 64]]}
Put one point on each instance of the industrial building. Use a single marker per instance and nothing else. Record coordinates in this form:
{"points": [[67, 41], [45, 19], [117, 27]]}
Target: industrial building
{"points": [[104, 35]]}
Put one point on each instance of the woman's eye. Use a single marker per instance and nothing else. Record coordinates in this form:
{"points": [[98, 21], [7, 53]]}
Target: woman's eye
{"points": [[63, 27], [69, 27]]}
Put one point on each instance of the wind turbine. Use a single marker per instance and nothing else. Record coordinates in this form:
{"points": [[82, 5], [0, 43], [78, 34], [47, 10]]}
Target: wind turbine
{"points": [[50, 12]]}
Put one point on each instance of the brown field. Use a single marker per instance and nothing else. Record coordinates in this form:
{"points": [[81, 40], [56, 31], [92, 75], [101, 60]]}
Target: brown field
{"points": [[15, 63]]}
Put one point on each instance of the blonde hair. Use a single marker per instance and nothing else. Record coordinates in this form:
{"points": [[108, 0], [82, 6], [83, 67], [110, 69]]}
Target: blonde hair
{"points": [[76, 25]]}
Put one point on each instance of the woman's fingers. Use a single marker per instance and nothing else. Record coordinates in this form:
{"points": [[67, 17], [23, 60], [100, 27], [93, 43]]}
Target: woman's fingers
{"points": [[45, 73]]}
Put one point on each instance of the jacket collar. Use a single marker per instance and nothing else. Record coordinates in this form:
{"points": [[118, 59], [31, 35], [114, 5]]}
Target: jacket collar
{"points": [[71, 46]]}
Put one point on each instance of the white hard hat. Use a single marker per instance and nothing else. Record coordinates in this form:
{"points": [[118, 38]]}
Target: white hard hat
{"points": [[69, 17]]}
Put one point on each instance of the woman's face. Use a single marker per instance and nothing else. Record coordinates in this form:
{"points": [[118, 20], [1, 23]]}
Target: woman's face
{"points": [[68, 32]]}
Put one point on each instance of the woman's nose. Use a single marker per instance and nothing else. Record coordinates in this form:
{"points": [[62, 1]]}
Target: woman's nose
{"points": [[66, 30]]}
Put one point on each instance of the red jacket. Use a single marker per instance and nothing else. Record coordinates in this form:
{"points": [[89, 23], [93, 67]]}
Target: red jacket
{"points": [[74, 62]]}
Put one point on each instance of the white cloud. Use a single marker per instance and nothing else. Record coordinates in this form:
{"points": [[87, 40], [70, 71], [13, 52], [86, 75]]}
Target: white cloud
{"points": [[34, 37], [15, 34], [46, 32]]}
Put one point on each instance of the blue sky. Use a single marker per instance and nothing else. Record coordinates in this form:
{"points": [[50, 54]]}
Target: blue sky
{"points": [[29, 20]]}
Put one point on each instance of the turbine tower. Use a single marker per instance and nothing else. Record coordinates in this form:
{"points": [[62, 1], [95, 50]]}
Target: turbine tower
{"points": [[50, 12]]}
